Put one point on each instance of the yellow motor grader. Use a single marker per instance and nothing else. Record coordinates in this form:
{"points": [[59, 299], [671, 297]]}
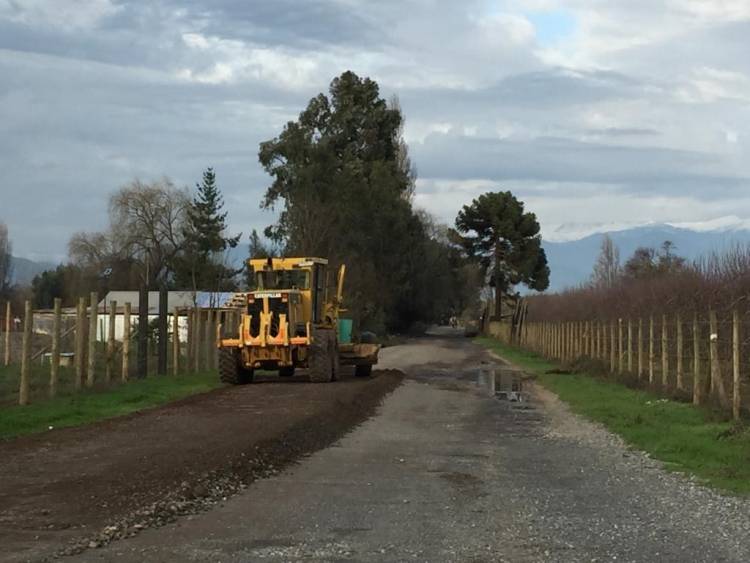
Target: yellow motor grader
{"points": [[289, 321]]}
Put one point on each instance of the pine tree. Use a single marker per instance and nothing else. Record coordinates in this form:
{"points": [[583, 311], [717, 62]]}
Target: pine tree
{"points": [[505, 239], [205, 240]]}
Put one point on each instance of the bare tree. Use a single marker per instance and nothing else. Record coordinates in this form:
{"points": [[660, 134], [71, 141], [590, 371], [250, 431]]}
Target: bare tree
{"points": [[6, 264], [145, 230], [607, 267], [147, 222]]}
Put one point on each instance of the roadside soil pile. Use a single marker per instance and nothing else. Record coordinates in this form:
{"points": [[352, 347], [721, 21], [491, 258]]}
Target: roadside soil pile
{"points": [[72, 489]]}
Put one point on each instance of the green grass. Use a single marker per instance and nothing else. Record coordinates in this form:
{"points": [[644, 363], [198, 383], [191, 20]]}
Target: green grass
{"points": [[686, 438], [93, 405]]}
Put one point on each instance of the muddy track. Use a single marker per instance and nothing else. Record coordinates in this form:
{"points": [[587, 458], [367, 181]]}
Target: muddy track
{"points": [[70, 489]]}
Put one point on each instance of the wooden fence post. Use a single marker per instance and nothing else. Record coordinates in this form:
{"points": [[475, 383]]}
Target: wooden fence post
{"points": [[8, 313], [619, 346], [28, 322], [126, 343], [215, 331], [571, 341], [598, 340], [630, 346], [198, 339], [697, 383], [551, 337], [651, 350], [664, 353], [189, 343], [584, 339], [736, 398], [612, 347], [176, 342], [717, 381], [207, 338], [93, 318], [80, 353], [111, 341], [680, 366], [640, 348], [54, 367]]}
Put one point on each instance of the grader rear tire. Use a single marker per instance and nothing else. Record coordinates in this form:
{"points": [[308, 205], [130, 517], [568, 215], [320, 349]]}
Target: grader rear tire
{"points": [[319, 362], [363, 370], [335, 360], [231, 370]]}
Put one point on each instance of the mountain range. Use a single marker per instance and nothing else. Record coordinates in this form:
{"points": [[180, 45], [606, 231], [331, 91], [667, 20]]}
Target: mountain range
{"points": [[24, 270], [570, 261]]}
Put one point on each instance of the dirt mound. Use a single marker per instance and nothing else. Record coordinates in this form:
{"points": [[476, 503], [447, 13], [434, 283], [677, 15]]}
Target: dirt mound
{"points": [[74, 488]]}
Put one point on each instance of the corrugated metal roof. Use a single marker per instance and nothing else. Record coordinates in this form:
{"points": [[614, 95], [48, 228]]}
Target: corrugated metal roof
{"points": [[175, 299]]}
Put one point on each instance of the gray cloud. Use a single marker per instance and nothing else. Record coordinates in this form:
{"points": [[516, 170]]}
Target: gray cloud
{"points": [[636, 169], [646, 106]]}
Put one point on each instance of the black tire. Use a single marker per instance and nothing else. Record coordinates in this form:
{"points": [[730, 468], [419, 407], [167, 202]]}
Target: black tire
{"points": [[335, 360], [319, 363], [286, 371], [363, 370], [231, 370]]}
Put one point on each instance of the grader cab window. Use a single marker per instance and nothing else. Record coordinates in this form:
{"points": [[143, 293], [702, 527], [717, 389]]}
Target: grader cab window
{"points": [[282, 279]]}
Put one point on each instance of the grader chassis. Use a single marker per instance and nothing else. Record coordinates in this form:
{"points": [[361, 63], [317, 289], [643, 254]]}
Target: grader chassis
{"points": [[291, 322]]}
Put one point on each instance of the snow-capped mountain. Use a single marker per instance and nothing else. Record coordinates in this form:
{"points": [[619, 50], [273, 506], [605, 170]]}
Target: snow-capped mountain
{"points": [[571, 256]]}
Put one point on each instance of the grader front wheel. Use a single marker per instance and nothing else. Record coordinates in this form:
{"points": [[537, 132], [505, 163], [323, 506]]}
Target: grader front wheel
{"points": [[231, 370]]}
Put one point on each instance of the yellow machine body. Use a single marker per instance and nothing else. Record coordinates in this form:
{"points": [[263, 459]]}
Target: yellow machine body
{"points": [[281, 317]]}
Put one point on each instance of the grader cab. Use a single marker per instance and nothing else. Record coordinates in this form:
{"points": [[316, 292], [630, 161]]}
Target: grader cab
{"points": [[290, 321]]}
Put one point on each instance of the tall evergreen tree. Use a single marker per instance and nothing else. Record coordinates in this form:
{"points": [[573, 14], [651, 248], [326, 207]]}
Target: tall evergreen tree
{"points": [[202, 264], [505, 239], [343, 180]]}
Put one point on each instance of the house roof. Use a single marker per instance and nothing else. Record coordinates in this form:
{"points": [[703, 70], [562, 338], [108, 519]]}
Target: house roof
{"points": [[175, 299]]}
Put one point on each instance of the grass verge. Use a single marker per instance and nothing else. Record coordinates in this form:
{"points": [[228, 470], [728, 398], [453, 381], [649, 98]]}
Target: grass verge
{"points": [[686, 438], [94, 405]]}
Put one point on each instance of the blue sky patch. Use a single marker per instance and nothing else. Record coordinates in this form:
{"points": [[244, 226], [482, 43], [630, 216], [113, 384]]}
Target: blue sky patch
{"points": [[552, 26]]}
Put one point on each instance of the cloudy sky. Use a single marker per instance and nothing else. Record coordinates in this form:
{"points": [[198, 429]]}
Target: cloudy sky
{"points": [[595, 113]]}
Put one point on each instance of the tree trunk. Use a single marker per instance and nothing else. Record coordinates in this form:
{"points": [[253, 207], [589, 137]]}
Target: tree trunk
{"points": [[498, 302]]}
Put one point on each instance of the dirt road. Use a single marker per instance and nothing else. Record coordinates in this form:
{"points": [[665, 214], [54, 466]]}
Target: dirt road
{"points": [[443, 473], [71, 488]]}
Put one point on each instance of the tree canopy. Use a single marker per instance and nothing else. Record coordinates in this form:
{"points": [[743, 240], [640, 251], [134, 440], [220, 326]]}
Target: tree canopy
{"points": [[343, 181], [505, 239], [649, 262]]}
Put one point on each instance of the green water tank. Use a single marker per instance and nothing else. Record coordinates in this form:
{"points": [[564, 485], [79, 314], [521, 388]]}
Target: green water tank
{"points": [[345, 331]]}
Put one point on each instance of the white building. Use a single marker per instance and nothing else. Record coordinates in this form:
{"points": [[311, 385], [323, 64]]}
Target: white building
{"points": [[176, 300]]}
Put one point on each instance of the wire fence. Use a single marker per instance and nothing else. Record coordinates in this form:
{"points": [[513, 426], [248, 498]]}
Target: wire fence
{"points": [[58, 352], [702, 356]]}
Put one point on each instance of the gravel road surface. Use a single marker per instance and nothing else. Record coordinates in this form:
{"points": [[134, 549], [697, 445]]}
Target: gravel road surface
{"points": [[445, 473]]}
